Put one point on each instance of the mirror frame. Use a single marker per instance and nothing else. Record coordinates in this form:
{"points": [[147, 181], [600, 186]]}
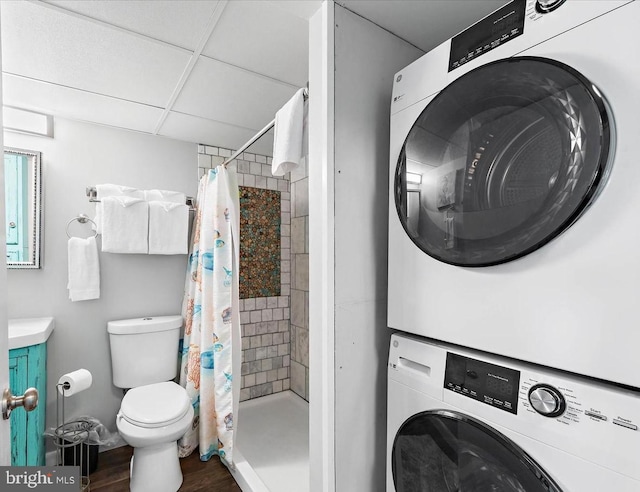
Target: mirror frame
{"points": [[35, 161]]}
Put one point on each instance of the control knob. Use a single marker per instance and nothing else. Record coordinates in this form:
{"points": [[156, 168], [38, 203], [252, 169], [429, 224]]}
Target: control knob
{"points": [[546, 400], [546, 6]]}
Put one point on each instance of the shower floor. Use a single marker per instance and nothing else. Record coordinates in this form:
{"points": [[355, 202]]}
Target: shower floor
{"points": [[273, 440]]}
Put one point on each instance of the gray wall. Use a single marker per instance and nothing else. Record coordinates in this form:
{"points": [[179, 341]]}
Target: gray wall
{"points": [[366, 60], [84, 155]]}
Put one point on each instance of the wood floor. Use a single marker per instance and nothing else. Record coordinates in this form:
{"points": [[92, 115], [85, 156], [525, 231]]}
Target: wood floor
{"points": [[112, 474]]}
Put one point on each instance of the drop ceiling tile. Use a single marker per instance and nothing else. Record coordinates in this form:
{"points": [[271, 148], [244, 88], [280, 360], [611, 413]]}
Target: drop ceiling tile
{"points": [[78, 105], [180, 23], [42, 43], [221, 92], [204, 131], [301, 8], [264, 38]]}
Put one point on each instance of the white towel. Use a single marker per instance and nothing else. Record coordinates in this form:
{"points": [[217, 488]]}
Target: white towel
{"points": [[301, 171], [84, 269], [107, 189], [165, 196], [168, 228], [287, 138], [125, 225]]}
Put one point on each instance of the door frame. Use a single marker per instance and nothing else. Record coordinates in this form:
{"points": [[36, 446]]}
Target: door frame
{"points": [[5, 430]]}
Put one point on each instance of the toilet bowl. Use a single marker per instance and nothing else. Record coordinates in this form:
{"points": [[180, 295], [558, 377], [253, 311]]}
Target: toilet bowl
{"points": [[151, 420]]}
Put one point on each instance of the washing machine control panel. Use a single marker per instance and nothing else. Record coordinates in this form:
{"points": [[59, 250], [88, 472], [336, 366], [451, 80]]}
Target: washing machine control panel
{"points": [[488, 383]]}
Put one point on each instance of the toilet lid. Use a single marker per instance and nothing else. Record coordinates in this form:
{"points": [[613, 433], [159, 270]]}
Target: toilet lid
{"points": [[155, 405]]}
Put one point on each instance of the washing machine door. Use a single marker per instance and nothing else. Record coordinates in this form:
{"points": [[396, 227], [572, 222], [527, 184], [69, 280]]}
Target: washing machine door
{"points": [[445, 451], [502, 161]]}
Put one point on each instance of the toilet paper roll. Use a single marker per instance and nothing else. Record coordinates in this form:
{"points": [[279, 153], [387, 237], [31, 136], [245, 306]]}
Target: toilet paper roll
{"points": [[74, 382]]}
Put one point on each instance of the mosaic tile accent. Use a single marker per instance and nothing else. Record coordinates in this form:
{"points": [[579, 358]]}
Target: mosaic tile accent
{"points": [[259, 242]]}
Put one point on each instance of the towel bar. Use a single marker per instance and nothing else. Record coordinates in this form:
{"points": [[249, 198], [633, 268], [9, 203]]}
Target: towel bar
{"points": [[92, 193]]}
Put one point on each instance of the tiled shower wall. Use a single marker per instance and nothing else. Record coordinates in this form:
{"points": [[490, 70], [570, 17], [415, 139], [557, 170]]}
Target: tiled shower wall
{"points": [[266, 336], [300, 282]]}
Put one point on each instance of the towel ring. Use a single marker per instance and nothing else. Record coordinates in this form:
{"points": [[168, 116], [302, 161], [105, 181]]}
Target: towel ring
{"points": [[83, 219]]}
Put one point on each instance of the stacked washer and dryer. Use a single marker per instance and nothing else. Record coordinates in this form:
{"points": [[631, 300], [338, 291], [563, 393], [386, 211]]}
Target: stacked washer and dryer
{"points": [[514, 255]]}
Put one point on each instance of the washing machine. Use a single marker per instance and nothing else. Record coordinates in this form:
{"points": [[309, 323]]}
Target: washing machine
{"points": [[467, 421], [514, 218]]}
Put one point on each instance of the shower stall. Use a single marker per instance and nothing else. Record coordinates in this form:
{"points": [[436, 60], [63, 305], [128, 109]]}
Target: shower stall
{"points": [[271, 442]]}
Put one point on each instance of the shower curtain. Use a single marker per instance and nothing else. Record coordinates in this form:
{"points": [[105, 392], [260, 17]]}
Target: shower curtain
{"points": [[212, 324]]}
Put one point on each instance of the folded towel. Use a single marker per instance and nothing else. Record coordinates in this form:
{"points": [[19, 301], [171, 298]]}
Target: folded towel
{"points": [[288, 133], [105, 190], [168, 228], [125, 225], [165, 196], [84, 269]]}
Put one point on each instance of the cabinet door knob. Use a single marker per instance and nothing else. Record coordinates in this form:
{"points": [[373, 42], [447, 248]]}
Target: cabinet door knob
{"points": [[9, 402]]}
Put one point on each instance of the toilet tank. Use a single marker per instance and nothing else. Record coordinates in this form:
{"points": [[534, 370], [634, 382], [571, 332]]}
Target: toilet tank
{"points": [[144, 350]]}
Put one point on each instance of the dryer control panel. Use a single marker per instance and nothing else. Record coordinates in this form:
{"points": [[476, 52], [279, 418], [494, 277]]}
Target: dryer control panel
{"points": [[488, 383], [494, 30]]}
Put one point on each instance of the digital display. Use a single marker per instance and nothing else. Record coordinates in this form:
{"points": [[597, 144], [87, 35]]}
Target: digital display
{"points": [[487, 383], [499, 386]]}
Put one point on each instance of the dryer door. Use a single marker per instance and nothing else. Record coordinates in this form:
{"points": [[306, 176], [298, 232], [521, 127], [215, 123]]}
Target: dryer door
{"points": [[502, 161], [444, 451]]}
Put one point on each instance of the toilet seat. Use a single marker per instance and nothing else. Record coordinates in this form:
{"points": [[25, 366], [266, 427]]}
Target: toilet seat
{"points": [[155, 405]]}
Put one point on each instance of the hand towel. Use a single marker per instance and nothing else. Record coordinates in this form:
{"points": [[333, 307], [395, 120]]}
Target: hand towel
{"points": [[287, 138], [125, 225], [84, 269], [168, 228], [107, 189], [165, 196]]}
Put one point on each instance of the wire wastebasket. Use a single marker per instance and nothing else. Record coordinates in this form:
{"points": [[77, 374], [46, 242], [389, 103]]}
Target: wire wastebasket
{"points": [[71, 440]]}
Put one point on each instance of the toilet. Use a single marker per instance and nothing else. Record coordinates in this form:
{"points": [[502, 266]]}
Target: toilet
{"points": [[155, 411]]}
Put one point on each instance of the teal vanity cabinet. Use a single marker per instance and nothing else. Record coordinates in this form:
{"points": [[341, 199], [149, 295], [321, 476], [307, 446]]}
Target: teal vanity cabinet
{"points": [[28, 369]]}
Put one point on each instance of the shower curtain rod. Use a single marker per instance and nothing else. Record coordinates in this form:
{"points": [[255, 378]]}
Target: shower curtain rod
{"points": [[250, 142]]}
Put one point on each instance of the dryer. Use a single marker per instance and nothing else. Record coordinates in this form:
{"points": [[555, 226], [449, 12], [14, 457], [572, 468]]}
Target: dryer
{"points": [[463, 420], [514, 219]]}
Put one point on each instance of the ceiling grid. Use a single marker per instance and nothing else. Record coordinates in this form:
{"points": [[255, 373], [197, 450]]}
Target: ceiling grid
{"points": [[203, 71]]}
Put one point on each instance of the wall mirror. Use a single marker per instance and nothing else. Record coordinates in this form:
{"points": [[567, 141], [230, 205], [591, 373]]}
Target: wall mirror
{"points": [[22, 207]]}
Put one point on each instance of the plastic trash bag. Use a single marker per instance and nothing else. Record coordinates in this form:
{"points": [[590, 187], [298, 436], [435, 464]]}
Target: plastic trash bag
{"points": [[98, 434]]}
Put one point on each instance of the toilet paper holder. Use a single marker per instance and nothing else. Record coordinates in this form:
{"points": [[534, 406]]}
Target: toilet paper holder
{"points": [[71, 438]]}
